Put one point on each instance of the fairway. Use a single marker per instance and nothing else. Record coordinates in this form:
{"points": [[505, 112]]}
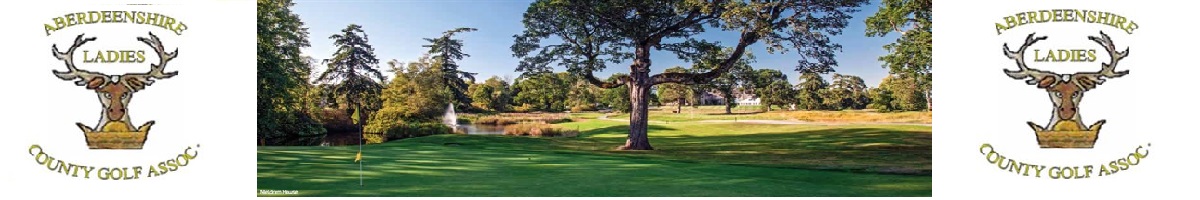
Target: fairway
{"points": [[691, 159]]}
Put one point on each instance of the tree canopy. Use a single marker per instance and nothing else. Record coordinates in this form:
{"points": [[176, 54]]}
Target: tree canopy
{"points": [[911, 54], [282, 76], [353, 70], [592, 34], [846, 92], [447, 51]]}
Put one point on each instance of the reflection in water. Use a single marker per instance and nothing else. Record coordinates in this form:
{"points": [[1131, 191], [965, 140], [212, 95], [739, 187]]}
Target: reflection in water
{"points": [[340, 139], [483, 129], [351, 138]]}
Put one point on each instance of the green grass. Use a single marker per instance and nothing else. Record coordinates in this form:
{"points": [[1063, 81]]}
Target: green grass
{"points": [[903, 149], [687, 116], [664, 114], [691, 159]]}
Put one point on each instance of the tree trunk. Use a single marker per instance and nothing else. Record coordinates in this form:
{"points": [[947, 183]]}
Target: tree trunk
{"points": [[679, 105], [728, 108], [929, 100], [639, 89]]}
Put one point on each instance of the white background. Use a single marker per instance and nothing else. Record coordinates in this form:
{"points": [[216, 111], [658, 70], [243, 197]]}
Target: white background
{"points": [[210, 103], [976, 103]]}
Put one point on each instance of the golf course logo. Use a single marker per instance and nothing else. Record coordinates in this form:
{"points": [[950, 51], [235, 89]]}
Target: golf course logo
{"points": [[115, 130], [1066, 133], [1066, 128]]}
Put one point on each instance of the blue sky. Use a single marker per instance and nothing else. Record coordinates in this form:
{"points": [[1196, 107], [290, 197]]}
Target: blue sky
{"points": [[396, 29]]}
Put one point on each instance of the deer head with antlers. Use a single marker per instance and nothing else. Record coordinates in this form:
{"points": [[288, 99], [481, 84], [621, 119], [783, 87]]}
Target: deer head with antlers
{"points": [[114, 91], [1066, 90]]}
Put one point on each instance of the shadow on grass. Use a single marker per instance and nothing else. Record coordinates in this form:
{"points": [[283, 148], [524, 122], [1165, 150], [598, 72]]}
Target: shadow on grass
{"points": [[621, 130], [500, 166], [735, 113], [853, 149]]}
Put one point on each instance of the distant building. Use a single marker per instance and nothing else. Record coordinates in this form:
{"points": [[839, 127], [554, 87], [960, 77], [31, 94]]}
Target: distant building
{"points": [[712, 98], [716, 98], [745, 98], [752, 101]]}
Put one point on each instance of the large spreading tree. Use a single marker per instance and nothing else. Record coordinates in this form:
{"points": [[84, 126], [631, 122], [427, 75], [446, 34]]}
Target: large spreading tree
{"points": [[910, 55], [589, 35], [353, 71]]}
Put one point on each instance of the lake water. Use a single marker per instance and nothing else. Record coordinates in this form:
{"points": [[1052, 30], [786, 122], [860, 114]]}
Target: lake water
{"points": [[482, 129], [339, 139]]}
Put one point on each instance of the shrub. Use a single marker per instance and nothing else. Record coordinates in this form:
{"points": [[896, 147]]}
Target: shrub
{"points": [[581, 108], [419, 129], [515, 118], [296, 129], [491, 119], [524, 108], [539, 130], [861, 116], [374, 138]]}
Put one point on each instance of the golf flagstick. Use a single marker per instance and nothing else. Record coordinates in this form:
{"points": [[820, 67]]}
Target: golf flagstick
{"points": [[360, 172]]}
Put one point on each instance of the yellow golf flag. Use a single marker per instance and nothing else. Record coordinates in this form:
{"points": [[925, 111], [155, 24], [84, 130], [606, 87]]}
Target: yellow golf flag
{"points": [[358, 157]]}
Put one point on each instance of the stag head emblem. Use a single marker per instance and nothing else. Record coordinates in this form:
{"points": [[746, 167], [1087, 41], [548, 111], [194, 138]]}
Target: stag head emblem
{"points": [[115, 130], [1066, 128]]}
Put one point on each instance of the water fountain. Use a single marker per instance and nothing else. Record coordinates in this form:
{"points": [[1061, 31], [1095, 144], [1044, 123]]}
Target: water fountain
{"points": [[450, 119]]}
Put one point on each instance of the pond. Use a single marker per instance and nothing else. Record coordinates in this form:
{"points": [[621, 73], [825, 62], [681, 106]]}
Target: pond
{"points": [[482, 129], [351, 138], [340, 139]]}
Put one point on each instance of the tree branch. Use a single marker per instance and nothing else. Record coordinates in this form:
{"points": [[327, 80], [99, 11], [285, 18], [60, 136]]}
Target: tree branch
{"points": [[748, 37], [616, 82], [916, 25], [691, 19]]}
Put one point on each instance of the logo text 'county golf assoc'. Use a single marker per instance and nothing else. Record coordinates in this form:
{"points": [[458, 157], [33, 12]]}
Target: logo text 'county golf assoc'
{"points": [[115, 130], [1066, 128]]}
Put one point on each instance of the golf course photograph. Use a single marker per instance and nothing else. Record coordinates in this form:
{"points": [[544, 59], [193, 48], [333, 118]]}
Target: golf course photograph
{"points": [[594, 98]]}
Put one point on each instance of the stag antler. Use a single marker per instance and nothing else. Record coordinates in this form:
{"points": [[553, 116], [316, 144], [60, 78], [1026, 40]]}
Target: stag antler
{"points": [[1090, 80], [138, 81], [1039, 76], [90, 79]]}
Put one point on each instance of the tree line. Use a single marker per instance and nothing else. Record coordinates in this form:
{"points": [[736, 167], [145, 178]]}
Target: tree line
{"points": [[584, 37]]}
